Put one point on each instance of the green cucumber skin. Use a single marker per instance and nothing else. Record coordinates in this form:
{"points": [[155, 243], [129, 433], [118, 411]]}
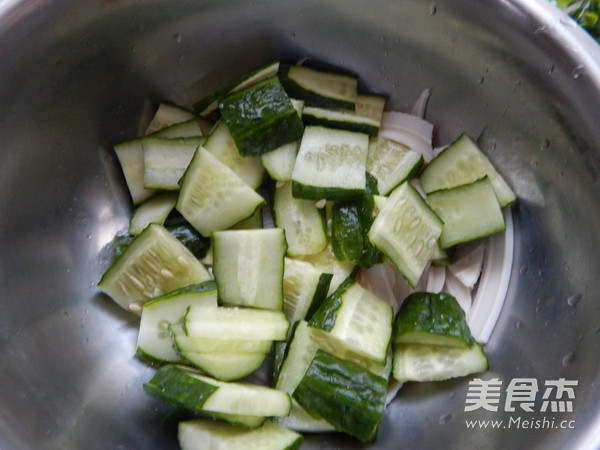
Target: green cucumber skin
{"points": [[435, 314], [320, 294], [325, 317], [261, 118], [188, 236], [300, 190], [294, 90], [175, 385], [351, 222], [309, 120], [344, 394]]}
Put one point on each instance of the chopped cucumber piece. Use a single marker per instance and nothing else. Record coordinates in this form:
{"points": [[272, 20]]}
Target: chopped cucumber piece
{"points": [[421, 362], [303, 222], [343, 393], [166, 115], [261, 117], [248, 266], [326, 262], [304, 288], [216, 345], [223, 359], [406, 230], [432, 318], [468, 211], [154, 263], [303, 346], [330, 164], [350, 225], [210, 103], [189, 389], [165, 161], [188, 129], [301, 421], [222, 146], [189, 236], [206, 434], [391, 163], [318, 88], [236, 323], [131, 158], [342, 120], [254, 222], [153, 210], [213, 197], [370, 106], [279, 163], [154, 340], [357, 318], [462, 162]]}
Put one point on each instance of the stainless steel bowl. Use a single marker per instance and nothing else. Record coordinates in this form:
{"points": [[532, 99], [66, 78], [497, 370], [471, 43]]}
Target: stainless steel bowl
{"points": [[78, 76]]}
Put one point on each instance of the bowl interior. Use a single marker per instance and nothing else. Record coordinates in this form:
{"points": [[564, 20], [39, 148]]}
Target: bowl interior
{"points": [[79, 77]]}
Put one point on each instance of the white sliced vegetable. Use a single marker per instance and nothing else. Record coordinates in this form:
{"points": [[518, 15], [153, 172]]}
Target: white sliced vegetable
{"points": [[459, 291], [493, 285], [380, 282], [408, 122], [393, 389], [421, 103], [436, 277], [409, 139], [467, 268]]}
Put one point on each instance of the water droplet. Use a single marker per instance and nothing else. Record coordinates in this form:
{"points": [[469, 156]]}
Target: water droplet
{"points": [[577, 71], [542, 29], [445, 418], [452, 394], [293, 35], [432, 9], [574, 299], [518, 324], [551, 69], [523, 270], [481, 80], [544, 145], [568, 359]]}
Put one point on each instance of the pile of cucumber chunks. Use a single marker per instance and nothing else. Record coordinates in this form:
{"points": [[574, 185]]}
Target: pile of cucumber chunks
{"points": [[284, 295]]}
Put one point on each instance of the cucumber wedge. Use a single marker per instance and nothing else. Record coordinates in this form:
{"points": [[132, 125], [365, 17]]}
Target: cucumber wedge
{"points": [[301, 421], [344, 394], [434, 319], [165, 161], [406, 230], [342, 120], [221, 145], [248, 266], [154, 263], [318, 88], [168, 114], [370, 106], [304, 289], [213, 197], [326, 262], [391, 163], [210, 103], [303, 222], [350, 225], [421, 362], [357, 318], [261, 118], [154, 339], [187, 129], [154, 210], [462, 163], [330, 164], [205, 434], [187, 388], [131, 158], [468, 211], [236, 323]]}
